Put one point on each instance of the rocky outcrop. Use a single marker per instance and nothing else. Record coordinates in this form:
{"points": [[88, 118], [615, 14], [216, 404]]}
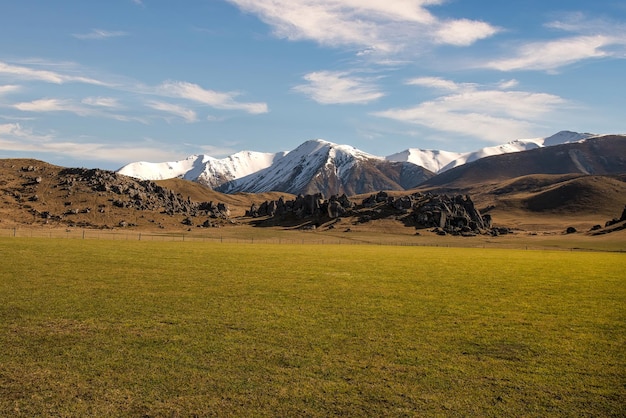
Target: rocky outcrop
{"points": [[613, 225], [617, 220], [448, 214], [140, 195], [303, 206], [451, 214]]}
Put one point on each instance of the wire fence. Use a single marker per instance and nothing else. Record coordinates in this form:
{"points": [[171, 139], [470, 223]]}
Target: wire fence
{"points": [[96, 234], [302, 238]]}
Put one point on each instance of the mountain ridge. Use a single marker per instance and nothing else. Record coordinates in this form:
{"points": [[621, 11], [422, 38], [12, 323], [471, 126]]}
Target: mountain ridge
{"points": [[328, 168], [597, 155]]}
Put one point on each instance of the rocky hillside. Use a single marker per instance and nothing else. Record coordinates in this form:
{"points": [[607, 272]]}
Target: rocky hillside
{"points": [[37, 193]]}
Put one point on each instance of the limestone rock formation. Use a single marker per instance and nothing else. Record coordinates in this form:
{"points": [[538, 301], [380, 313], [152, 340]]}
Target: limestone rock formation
{"points": [[448, 214]]}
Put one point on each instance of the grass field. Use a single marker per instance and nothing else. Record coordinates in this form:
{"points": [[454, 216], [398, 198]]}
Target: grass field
{"points": [[136, 328]]}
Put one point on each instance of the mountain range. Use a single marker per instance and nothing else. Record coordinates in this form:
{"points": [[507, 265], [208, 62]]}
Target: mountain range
{"points": [[319, 166]]}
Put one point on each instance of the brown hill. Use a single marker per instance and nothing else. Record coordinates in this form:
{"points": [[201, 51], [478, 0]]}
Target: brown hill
{"points": [[552, 202], [604, 155], [37, 193], [566, 194]]}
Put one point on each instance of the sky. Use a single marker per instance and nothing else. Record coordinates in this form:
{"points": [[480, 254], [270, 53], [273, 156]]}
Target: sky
{"points": [[105, 83]]}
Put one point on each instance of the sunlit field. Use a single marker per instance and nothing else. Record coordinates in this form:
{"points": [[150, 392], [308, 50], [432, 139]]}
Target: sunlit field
{"points": [[138, 328]]}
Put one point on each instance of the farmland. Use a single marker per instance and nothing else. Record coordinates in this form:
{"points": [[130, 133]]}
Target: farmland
{"points": [[138, 328]]}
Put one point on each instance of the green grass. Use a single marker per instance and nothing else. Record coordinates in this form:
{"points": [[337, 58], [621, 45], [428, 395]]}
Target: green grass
{"points": [[116, 328]]}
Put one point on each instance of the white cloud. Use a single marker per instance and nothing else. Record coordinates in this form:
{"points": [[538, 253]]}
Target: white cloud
{"points": [[439, 83], [87, 107], [16, 138], [99, 34], [187, 114], [552, 55], [50, 105], [107, 102], [492, 115], [215, 99], [16, 131], [590, 38], [27, 73], [335, 87], [9, 88], [176, 89], [381, 26], [508, 84], [463, 32]]}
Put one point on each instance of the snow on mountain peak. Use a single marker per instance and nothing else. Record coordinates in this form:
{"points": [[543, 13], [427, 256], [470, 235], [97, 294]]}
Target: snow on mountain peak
{"points": [[565, 137], [316, 161], [161, 171], [440, 161], [203, 168]]}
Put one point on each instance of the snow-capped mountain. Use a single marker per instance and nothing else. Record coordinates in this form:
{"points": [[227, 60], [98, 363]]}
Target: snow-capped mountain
{"points": [[204, 169], [433, 160], [322, 166], [597, 155], [440, 161], [327, 168]]}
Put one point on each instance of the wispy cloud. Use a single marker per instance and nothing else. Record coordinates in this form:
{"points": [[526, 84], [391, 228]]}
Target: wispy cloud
{"points": [[16, 138], [589, 38], [552, 55], [21, 72], [100, 34], [68, 74], [215, 99], [106, 102], [380, 26], [9, 88], [51, 105], [15, 131], [489, 114], [336, 87], [89, 107], [440, 84], [177, 110]]}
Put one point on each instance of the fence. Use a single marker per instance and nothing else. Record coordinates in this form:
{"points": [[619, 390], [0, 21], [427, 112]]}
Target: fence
{"points": [[301, 237], [97, 234]]}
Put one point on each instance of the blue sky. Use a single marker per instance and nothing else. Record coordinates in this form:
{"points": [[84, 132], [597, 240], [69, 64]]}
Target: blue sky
{"points": [[102, 84]]}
